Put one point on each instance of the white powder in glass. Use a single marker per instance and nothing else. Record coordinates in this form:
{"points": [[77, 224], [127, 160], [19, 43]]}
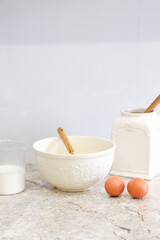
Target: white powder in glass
{"points": [[12, 179]]}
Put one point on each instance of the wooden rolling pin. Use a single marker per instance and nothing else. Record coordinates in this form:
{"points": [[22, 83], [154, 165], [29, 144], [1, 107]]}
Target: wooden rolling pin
{"points": [[153, 105], [65, 140]]}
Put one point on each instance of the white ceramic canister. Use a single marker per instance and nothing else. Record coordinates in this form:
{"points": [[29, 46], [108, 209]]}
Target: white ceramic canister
{"points": [[137, 138]]}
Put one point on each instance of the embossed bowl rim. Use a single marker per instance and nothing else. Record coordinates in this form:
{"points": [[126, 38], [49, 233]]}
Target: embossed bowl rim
{"points": [[82, 156]]}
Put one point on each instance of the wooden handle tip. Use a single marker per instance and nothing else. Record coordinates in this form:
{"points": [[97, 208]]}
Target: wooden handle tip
{"points": [[65, 140]]}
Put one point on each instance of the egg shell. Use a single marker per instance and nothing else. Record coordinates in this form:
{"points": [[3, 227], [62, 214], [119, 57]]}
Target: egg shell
{"points": [[114, 186], [137, 187]]}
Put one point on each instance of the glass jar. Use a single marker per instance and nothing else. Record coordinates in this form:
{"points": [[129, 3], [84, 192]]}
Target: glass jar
{"points": [[12, 166]]}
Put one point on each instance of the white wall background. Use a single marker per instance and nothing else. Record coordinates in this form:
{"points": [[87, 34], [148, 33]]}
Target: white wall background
{"points": [[75, 64]]}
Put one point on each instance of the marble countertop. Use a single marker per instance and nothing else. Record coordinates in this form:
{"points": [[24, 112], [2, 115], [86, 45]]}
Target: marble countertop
{"points": [[42, 212]]}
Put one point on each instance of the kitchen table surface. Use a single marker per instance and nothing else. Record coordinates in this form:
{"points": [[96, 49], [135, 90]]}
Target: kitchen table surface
{"points": [[42, 212]]}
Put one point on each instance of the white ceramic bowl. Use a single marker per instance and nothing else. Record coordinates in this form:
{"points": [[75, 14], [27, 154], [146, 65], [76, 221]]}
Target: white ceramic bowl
{"points": [[91, 162]]}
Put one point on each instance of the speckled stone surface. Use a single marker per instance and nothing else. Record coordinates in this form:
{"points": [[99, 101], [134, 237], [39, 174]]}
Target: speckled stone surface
{"points": [[42, 212]]}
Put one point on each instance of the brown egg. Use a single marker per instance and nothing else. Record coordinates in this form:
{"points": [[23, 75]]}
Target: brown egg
{"points": [[137, 188], [114, 186]]}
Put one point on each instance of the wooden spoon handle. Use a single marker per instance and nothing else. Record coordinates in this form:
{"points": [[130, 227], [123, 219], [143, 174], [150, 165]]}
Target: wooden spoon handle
{"points": [[65, 140], [153, 105]]}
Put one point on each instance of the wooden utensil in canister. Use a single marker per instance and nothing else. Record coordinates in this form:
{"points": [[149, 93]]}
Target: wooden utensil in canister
{"points": [[153, 105]]}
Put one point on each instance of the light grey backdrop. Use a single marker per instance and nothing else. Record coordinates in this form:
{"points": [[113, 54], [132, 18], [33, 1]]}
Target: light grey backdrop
{"points": [[75, 64]]}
